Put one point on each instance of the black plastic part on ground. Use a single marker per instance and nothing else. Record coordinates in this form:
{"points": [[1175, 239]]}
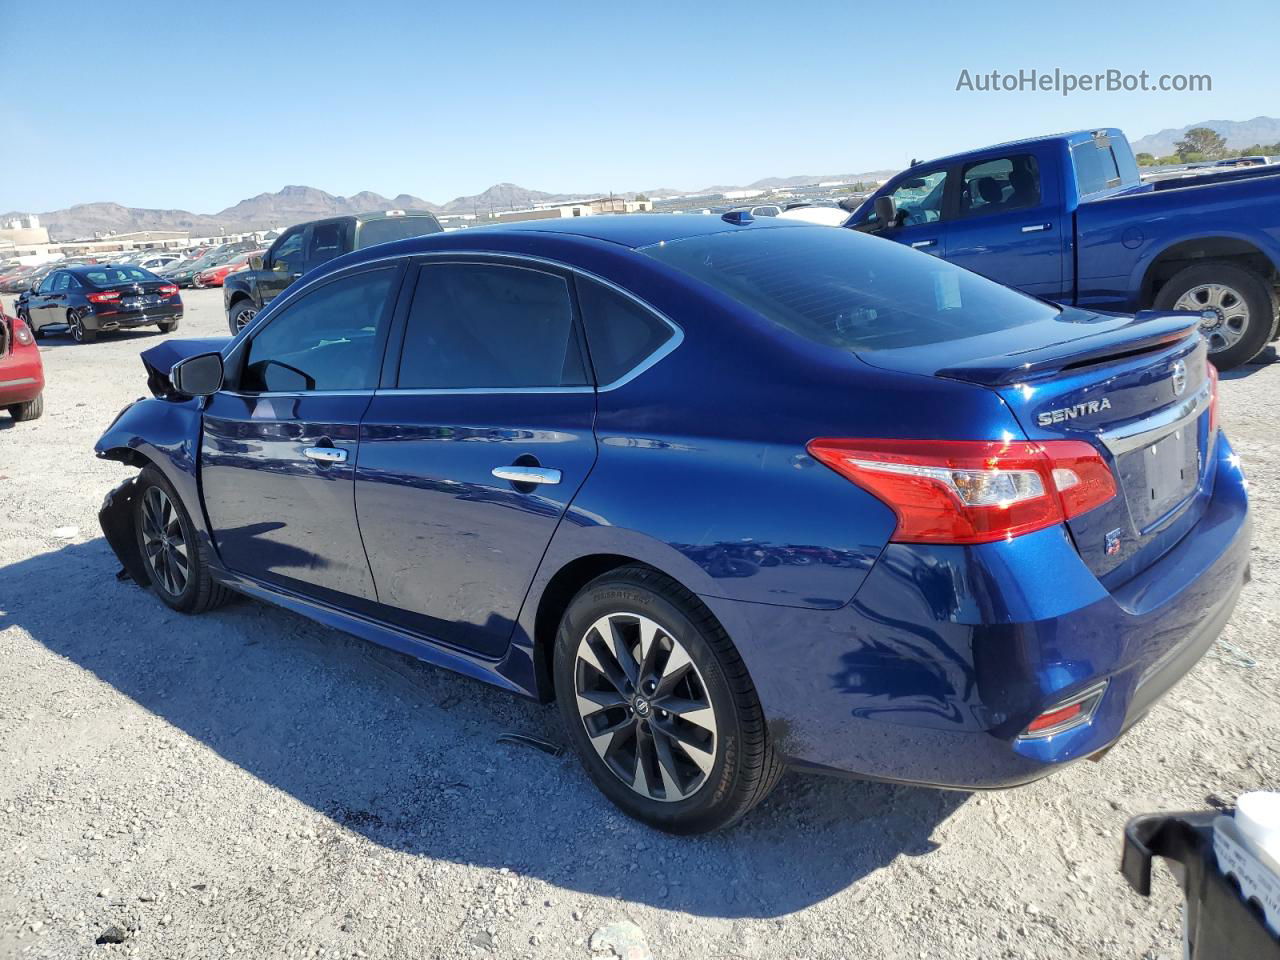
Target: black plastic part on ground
{"points": [[1218, 923]]}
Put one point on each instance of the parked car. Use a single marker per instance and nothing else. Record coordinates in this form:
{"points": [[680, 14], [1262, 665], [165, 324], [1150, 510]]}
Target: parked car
{"points": [[21, 370], [88, 300], [215, 276], [149, 260], [305, 246], [965, 536], [185, 276], [11, 279], [23, 280], [1068, 218]]}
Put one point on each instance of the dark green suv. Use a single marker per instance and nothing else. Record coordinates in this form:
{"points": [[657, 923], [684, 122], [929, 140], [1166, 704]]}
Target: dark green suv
{"points": [[307, 245]]}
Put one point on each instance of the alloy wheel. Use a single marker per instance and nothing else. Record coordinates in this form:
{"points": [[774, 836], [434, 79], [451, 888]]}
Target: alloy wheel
{"points": [[243, 316], [77, 326], [164, 543], [1230, 313], [645, 707]]}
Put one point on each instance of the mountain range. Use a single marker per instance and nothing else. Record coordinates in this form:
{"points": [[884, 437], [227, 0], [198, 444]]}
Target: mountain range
{"points": [[294, 204], [1237, 133]]}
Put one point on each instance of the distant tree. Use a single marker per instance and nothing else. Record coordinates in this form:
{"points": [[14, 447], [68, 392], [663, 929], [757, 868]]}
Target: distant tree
{"points": [[1201, 140], [641, 196], [1168, 161], [1145, 159], [1192, 157]]}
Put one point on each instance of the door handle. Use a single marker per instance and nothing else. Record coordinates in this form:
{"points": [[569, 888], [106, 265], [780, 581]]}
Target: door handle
{"points": [[923, 243], [1037, 227], [527, 474], [325, 454]]}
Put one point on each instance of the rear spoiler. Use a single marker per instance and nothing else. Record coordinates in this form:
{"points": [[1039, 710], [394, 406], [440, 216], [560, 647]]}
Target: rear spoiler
{"points": [[1148, 331]]}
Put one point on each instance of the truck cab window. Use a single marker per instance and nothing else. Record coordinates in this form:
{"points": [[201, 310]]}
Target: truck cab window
{"points": [[1005, 183], [918, 199]]}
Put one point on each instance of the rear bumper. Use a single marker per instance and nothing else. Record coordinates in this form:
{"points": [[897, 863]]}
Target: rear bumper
{"points": [[21, 377], [123, 319], [931, 674]]}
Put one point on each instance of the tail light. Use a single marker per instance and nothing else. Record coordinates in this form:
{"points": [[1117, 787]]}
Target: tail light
{"points": [[168, 290], [1067, 714], [106, 296], [21, 333], [1213, 400], [960, 491]]}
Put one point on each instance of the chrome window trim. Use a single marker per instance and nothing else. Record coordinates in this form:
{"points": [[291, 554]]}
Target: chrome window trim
{"points": [[491, 256], [249, 395], [1158, 425]]}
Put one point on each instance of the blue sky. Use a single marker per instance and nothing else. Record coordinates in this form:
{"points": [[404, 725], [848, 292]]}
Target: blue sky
{"points": [[198, 106]]}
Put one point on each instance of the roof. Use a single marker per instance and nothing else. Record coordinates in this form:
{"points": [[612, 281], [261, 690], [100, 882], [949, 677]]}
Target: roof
{"points": [[629, 230], [1073, 137]]}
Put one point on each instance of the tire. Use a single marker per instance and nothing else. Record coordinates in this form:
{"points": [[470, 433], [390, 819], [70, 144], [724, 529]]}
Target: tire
{"points": [[79, 332], [241, 314], [717, 767], [160, 521], [1242, 300], [167, 326], [31, 410]]}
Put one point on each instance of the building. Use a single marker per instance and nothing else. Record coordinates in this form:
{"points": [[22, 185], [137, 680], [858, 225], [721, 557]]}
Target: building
{"points": [[575, 208]]}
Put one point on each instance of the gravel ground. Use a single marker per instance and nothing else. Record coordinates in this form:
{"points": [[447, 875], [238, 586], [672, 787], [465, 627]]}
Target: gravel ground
{"points": [[248, 783]]}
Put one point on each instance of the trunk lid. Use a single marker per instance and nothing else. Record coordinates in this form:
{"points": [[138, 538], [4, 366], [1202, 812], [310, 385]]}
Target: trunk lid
{"points": [[1137, 388]]}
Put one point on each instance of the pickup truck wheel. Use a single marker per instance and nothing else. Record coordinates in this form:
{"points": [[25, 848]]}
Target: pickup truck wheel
{"points": [[659, 706], [242, 312], [30, 410], [175, 560], [1243, 310]]}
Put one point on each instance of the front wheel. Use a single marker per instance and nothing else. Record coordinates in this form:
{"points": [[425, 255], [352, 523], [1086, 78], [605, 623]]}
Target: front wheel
{"points": [[1239, 311], [241, 314], [174, 558], [79, 332], [659, 706]]}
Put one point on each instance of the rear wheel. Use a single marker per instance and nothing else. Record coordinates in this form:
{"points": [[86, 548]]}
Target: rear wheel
{"points": [[659, 705], [167, 326], [242, 312], [1238, 306], [30, 410], [79, 332], [174, 558]]}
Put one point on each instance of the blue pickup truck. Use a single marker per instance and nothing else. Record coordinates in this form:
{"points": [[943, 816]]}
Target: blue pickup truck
{"points": [[1067, 218]]}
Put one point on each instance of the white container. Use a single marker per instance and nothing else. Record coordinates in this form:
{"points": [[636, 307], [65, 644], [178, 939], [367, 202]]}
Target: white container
{"points": [[1257, 872]]}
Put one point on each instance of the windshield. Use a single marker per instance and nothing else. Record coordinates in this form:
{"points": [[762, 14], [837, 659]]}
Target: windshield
{"points": [[850, 290], [395, 228]]}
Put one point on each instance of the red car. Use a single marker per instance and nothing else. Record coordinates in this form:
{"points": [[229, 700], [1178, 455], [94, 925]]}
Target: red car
{"points": [[21, 370], [214, 276]]}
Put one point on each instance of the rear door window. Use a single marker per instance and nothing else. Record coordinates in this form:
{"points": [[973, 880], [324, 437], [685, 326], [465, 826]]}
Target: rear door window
{"points": [[477, 326], [994, 186], [621, 334], [325, 244], [327, 339]]}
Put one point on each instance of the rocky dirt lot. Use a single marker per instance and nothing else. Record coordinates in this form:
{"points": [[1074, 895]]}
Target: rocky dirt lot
{"points": [[250, 784]]}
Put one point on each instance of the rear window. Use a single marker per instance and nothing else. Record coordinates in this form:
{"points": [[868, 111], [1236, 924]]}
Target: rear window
{"points": [[110, 276], [395, 228], [849, 290], [1096, 166]]}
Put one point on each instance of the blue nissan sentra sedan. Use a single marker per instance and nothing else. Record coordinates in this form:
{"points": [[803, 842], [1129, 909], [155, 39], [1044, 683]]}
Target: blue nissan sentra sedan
{"points": [[737, 495]]}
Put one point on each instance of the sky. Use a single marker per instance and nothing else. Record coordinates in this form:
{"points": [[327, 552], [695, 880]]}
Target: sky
{"points": [[197, 106]]}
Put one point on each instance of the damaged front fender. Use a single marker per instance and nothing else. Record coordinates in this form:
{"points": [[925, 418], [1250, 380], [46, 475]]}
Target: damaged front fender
{"points": [[116, 520]]}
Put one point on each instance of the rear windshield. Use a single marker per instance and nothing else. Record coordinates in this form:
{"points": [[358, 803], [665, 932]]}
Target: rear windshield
{"points": [[846, 289], [395, 228], [110, 276]]}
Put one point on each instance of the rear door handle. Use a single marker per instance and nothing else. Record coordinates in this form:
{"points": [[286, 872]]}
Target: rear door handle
{"points": [[1037, 227], [325, 454], [527, 474], [923, 243]]}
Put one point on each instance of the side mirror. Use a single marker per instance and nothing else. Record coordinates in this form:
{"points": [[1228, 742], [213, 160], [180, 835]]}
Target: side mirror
{"points": [[34, 284], [198, 376], [255, 262], [886, 211]]}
